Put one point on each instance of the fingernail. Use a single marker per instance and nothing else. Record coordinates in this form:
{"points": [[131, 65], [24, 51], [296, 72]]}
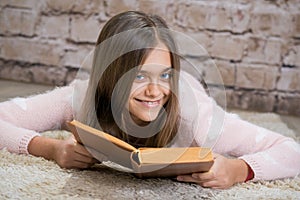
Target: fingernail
{"points": [[179, 178], [194, 175]]}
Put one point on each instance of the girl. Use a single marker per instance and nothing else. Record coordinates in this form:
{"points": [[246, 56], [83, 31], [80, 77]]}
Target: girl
{"points": [[137, 92]]}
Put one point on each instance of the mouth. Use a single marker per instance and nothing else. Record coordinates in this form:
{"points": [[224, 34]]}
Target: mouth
{"points": [[149, 104]]}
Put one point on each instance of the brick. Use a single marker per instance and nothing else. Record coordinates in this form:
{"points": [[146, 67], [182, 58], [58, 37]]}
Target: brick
{"points": [[191, 15], [263, 51], [15, 72], [192, 44], [244, 1], [296, 27], [273, 51], [194, 66], [293, 5], [251, 100], [211, 72], [227, 72], [78, 57], [165, 9], [219, 94], [30, 51], [270, 20], [229, 98], [58, 5], [71, 75], [214, 16], [81, 6], [85, 30], [34, 74], [297, 59], [28, 4], [219, 73], [256, 76], [54, 27], [49, 75], [288, 104], [118, 6], [240, 18], [202, 38], [292, 57], [218, 18], [17, 21], [228, 47], [97, 7], [289, 80]]}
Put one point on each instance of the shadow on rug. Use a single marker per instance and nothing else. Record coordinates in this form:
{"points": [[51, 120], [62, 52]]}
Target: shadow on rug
{"points": [[28, 177]]}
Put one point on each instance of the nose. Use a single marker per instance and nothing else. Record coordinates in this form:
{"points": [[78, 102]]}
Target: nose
{"points": [[153, 90]]}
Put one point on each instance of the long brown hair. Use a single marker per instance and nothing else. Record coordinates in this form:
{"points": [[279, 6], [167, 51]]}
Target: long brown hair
{"points": [[123, 44]]}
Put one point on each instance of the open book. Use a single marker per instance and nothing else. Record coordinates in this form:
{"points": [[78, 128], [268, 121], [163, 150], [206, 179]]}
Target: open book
{"points": [[144, 162]]}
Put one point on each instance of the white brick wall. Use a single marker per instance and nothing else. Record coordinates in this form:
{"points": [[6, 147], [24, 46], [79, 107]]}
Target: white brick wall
{"points": [[255, 44]]}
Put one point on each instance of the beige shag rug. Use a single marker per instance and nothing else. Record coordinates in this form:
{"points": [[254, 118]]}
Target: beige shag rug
{"points": [[28, 177]]}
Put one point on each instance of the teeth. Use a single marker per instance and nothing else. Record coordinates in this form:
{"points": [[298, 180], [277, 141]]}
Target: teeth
{"points": [[151, 103]]}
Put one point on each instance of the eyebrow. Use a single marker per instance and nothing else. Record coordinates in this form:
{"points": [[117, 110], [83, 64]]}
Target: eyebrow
{"points": [[165, 70]]}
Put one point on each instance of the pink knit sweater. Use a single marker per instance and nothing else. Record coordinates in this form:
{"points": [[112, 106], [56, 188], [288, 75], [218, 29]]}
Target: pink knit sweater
{"points": [[203, 123]]}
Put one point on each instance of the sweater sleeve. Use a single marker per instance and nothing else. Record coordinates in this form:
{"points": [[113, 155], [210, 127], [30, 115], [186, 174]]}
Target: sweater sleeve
{"points": [[270, 155], [21, 119]]}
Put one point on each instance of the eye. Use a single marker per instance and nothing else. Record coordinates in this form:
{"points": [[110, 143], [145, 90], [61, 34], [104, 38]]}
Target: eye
{"points": [[166, 75], [140, 77]]}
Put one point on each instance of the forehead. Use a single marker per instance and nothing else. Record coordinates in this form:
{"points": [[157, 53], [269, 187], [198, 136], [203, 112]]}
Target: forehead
{"points": [[158, 58]]}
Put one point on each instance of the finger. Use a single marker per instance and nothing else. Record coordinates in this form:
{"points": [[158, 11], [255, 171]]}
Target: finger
{"points": [[96, 156], [83, 158], [186, 178], [215, 184], [209, 184], [82, 150], [81, 165], [206, 176], [78, 147]]}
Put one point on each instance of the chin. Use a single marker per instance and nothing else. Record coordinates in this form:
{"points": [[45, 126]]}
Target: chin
{"points": [[149, 119], [146, 118]]}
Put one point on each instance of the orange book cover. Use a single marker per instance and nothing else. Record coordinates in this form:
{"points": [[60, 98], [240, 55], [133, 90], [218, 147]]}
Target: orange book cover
{"points": [[144, 162]]}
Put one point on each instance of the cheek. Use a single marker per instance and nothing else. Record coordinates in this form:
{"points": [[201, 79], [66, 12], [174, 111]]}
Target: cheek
{"points": [[166, 89], [136, 89], [135, 92]]}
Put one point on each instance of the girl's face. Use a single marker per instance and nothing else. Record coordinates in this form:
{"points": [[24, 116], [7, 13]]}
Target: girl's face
{"points": [[151, 87]]}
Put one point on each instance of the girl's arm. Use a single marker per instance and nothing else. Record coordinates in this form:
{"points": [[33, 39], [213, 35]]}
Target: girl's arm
{"points": [[268, 154], [21, 120], [223, 174], [67, 153], [24, 118]]}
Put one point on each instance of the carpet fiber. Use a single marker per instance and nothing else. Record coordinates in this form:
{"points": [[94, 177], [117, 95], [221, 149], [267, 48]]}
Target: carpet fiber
{"points": [[28, 177]]}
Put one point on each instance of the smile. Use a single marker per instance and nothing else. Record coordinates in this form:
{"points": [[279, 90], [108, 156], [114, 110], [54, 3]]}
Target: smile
{"points": [[149, 104]]}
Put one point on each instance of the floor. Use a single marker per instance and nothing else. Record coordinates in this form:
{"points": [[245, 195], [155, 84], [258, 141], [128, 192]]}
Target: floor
{"points": [[10, 89]]}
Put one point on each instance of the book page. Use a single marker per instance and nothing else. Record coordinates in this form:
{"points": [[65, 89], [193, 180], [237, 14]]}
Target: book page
{"points": [[174, 155], [113, 148]]}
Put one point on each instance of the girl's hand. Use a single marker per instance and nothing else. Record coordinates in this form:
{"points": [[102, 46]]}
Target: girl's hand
{"points": [[70, 154], [223, 174]]}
